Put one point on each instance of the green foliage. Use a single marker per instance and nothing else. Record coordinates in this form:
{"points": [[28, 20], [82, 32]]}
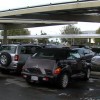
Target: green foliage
{"points": [[17, 32], [14, 32], [71, 29], [44, 40], [97, 40]]}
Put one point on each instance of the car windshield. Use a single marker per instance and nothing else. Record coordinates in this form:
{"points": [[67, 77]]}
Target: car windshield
{"points": [[10, 49], [51, 54], [74, 55]]}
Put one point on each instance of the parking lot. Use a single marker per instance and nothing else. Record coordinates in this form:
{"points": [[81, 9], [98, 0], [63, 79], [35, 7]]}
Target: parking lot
{"points": [[14, 87], [31, 61]]}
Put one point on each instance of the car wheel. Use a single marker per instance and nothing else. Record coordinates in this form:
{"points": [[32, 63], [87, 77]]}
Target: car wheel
{"points": [[63, 81], [87, 74], [5, 59], [4, 71], [29, 81]]}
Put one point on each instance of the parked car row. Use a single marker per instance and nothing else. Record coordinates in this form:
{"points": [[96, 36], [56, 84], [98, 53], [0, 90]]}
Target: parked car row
{"points": [[14, 56], [50, 63], [56, 65]]}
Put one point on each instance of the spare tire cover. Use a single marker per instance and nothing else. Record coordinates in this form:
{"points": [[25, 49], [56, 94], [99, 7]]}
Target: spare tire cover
{"points": [[5, 59]]}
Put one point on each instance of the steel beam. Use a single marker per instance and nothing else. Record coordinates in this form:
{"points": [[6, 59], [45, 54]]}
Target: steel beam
{"points": [[51, 8]]}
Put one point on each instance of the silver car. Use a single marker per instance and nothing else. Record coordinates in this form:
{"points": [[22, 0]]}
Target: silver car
{"points": [[14, 56], [95, 61]]}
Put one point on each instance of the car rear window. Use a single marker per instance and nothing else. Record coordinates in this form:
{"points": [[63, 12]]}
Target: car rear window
{"points": [[29, 49], [11, 49], [52, 54]]}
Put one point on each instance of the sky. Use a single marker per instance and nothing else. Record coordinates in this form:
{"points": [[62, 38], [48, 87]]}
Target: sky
{"points": [[11, 4]]}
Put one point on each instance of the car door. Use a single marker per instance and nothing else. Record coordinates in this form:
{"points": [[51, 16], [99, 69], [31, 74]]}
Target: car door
{"points": [[75, 62], [88, 54]]}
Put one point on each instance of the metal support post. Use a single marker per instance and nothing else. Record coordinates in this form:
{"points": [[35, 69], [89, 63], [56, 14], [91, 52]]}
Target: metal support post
{"points": [[5, 36]]}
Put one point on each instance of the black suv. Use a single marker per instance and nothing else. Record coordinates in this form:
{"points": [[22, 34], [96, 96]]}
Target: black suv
{"points": [[55, 65], [14, 56]]}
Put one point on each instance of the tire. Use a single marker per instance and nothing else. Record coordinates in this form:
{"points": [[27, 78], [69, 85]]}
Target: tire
{"points": [[28, 81], [87, 74], [5, 59], [5, 71], [63, 81]]}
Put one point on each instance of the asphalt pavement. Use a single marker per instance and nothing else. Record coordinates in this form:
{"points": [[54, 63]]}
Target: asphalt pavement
{"points": [[15, 88]]}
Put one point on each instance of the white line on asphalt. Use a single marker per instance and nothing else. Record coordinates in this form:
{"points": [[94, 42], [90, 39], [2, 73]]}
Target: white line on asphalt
{"points": [[14, 81]]}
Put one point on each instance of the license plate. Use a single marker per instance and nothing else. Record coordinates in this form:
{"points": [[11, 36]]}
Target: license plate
{"points": [[34, 78]]}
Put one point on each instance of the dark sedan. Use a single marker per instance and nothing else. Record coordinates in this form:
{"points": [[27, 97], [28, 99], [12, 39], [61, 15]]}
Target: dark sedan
{"points": [[55, 65], [86, 53], [95, 61]]}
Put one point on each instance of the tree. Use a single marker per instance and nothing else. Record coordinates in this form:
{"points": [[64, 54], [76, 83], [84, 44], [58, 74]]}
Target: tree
{"points": [[44, 40], [97, 40], [71, 29], [17, 32]]}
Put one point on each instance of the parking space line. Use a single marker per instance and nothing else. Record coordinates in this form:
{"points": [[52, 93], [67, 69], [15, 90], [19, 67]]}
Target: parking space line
{"points": [[14, 81]]}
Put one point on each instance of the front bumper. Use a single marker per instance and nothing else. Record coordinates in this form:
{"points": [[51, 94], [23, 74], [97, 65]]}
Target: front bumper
{"points": [[13, 66]]}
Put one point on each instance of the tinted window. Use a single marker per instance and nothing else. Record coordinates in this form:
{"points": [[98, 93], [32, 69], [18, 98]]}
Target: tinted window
{"points": [[29, 49], [46, 55], [11, 49], [52, 54]]}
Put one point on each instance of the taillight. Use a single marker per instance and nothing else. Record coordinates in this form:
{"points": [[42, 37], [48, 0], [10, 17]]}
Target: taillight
{"points": [[16, 57], [57, 71]]}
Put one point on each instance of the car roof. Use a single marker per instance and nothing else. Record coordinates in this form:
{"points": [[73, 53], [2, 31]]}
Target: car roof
{"points": [[21, 45], [79, 48], [59, 53], [57, 49], [10, 45]]}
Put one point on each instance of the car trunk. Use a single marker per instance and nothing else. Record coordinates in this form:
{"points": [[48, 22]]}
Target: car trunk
{"points": [[40, 66]]}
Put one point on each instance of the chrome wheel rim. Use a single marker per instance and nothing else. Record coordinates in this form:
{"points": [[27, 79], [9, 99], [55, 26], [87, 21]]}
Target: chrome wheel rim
{"points": [[65, 81], [3, 59]]}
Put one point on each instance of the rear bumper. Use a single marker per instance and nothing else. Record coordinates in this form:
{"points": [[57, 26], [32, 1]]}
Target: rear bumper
{"points": [[13, 66], [46, 78]]}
